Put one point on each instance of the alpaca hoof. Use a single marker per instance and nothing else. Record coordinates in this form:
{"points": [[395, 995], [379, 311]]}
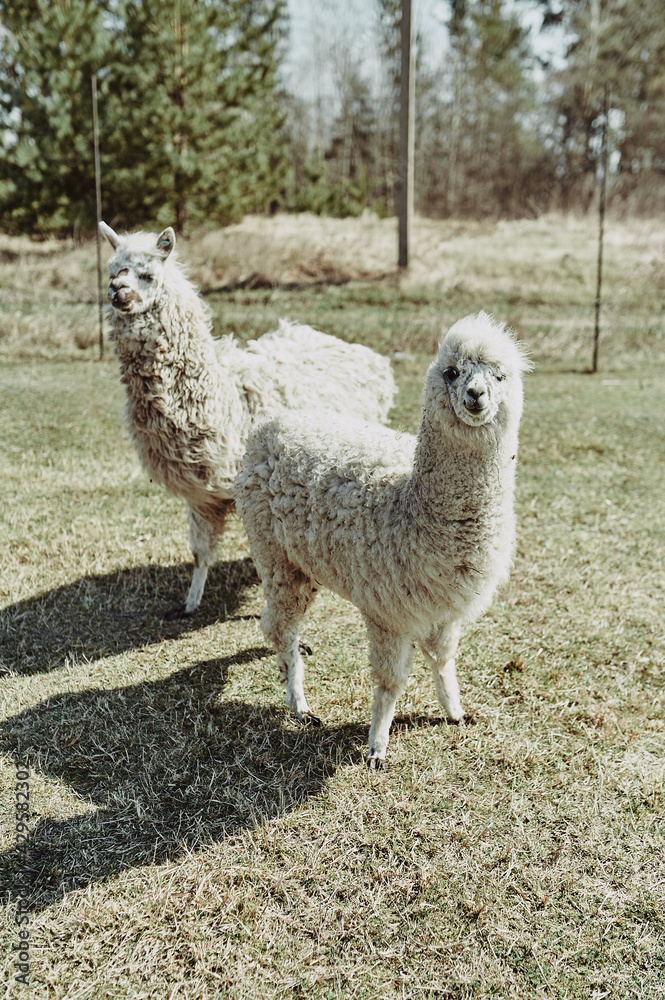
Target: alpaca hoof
{"points": [[179, 612], [304, 649], [375, 763], [309, 719], [467, 720]]}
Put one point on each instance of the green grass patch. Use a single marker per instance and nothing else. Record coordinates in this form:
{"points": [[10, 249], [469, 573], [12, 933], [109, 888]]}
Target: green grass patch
{"points": [[191, 840]]}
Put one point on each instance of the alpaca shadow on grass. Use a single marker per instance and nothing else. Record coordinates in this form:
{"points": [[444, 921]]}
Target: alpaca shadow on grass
{"points": [[161, 767], [104, 615]]}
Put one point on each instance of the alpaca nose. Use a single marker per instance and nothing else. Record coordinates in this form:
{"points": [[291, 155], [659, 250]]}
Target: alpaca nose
{"points": [[474, 392], [122, 296], [476, 397]]}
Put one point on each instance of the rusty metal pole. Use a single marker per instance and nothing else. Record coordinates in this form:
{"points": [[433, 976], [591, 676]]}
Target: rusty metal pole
{"points": [[98, 194], [601, 231], [407, 91]]}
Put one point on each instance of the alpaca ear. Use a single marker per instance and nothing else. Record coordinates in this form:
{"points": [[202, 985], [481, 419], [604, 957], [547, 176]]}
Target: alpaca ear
{"points": [[166, 242], [112, 237]]}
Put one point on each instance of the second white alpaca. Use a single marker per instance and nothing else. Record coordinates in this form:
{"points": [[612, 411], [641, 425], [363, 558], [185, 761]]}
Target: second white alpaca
{"points": [[416, 532]]}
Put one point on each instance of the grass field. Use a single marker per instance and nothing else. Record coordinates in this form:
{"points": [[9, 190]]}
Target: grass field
{"points": [[190, 840]]}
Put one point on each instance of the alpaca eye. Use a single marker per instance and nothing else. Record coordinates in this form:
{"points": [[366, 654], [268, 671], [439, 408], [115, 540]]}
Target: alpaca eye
{"points": [[145, 277], [450, 374], [500, 376]]}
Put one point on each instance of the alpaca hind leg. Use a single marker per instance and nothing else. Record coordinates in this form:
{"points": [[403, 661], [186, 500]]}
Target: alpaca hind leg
{"points": [[439, 649], [390, 657], [288, 594]]}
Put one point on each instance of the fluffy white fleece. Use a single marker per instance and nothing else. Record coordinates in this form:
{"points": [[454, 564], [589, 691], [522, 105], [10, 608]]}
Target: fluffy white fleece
{"points": [[416, 531], [191, 399]]}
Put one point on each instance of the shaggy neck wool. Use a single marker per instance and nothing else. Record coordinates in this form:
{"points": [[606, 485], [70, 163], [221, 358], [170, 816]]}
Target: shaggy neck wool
{"points": [[180, 404]]}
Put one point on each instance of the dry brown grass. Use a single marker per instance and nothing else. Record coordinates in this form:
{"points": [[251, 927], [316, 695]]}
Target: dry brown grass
{"points": [[190, 840], [289, 249], [48, 293], [538, 274]]}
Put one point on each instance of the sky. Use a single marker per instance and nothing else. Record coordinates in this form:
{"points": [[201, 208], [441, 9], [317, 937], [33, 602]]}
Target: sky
{"points": [[329, 33], [325, 33]]}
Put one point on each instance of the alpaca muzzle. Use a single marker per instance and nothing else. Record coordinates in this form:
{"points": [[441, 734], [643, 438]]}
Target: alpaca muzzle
{"points": [[475, 399], [123, 298]]}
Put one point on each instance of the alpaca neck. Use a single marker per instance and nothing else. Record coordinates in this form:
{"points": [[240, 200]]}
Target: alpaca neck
{"points": [[173, 329], [457, 471], [169, 363]]}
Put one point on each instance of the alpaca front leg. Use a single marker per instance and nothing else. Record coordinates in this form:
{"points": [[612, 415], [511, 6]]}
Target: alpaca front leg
{"points": [[390, 656], [292, 674], [197, 586], [439, 649], [383, 711], [205, 527]]}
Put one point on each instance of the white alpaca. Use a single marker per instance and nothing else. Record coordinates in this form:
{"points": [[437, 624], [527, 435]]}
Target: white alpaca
{"points": [[191, 399], [416, 532]]}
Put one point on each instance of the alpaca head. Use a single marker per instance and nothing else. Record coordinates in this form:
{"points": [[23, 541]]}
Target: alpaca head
{"points": [[136, 269], [476, 378]]}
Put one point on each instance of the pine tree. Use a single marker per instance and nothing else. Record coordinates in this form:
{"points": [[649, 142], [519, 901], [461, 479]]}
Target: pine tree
{"points": [[48, 52], [191, 127], [197, 81]]}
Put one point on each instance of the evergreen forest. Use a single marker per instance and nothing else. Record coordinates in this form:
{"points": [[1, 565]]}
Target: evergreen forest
{"points": [[199, 124]]}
